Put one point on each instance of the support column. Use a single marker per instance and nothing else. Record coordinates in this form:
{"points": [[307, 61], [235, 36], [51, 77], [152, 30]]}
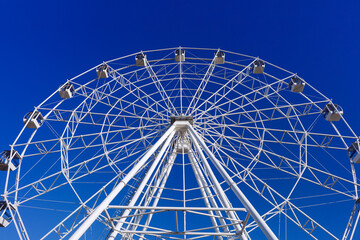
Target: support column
{"points": [[99, 209], [159, 184], [208, 192], [202, 190], [220, 192], [240, 195], [354, 227], [161, 188], [141, 187]]}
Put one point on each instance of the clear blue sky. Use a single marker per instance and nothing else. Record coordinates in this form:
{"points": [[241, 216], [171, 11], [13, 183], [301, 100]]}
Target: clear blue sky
{"points": [[44, 43]]}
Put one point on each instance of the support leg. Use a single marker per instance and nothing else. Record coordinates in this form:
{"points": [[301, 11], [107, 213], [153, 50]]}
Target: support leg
{"points": [[203, 193], [158, 195], [141, 187], [220, 192], [240, 195], [94, 215]]}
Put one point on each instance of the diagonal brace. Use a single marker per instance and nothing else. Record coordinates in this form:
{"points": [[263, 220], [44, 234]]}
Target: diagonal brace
{"points": [[99, 209], [240, 195]]}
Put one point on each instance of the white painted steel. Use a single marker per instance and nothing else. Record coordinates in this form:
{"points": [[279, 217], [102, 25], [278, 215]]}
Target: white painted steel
{"points": [[203, 193], [142, 185], [202, 184], [249, 207], [81, 230], [220, 192], [166, 172]]}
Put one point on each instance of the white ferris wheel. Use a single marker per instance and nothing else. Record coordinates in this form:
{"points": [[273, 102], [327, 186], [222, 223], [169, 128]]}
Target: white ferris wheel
{"points": [[183, 143]]}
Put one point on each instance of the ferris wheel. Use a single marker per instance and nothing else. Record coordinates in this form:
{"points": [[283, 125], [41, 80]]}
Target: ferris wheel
{"points": [[183, 143]]}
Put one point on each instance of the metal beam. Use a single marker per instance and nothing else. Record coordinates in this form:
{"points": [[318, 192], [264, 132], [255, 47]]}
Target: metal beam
{"points": [[240, 195], [157, 198], [93, 216], [219, 190], [178, 208], [141, 187], [203, 193]]}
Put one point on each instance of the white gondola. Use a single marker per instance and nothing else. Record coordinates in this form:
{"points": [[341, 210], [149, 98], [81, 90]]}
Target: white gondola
{"points": [[180, 55], [33, 119], [102, 71], [332, 112], [9, 160], [140, 60], [67, 90], [354, 152], [296, 84], [219, 57], [258, 67], [5, 215]]}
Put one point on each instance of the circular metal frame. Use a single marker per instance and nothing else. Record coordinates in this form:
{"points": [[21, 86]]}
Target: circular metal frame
{"points": [[264, 125]]}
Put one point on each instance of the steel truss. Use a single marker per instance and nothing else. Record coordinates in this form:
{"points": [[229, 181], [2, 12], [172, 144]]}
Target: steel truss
{"points": [[184, 148]]}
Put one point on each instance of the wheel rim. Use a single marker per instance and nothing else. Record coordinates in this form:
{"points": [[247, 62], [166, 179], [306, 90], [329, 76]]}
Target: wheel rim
{"points": [[270, 140]]}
